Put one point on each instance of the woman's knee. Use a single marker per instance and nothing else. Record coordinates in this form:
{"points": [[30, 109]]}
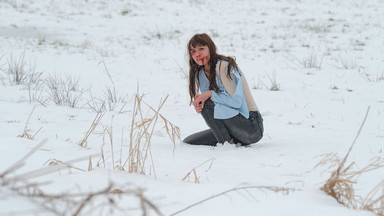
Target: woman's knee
{"points": [[205, 137], [189, 139]]}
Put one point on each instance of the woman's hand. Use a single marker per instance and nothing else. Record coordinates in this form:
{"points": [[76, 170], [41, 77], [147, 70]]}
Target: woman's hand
{"points": [[200, 99]]}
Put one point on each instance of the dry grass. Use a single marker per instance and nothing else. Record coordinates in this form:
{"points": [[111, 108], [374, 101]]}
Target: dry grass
{"points": [[348, 64], [70, 203], [64, 90], [237, 189], [312, 61], [374, 201], [90, 163], [89, 203], [26, 134], [274, 86], [108, 137], [172, 130], [92, 127], [17, 70], [143, 124], [20, 163], [193, 171], [341, 183], [59, 164], [137, 157]]}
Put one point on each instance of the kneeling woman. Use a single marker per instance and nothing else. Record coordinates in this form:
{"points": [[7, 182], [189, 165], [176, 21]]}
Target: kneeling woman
{"points": [[225, 101]]}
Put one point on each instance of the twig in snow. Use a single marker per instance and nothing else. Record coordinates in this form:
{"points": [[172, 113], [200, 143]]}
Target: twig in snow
{"points": [[271, 188]]}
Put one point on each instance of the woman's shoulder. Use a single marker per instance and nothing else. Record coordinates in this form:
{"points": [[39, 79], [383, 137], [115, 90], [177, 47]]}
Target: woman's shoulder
{"points": [[221, 62], [221, 66]]}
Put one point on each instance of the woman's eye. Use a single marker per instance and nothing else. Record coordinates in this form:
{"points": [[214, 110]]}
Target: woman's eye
{"points": [[201, 48]]}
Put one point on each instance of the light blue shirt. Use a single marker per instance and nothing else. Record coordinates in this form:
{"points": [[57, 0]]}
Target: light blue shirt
{"points": [[226, 105]]}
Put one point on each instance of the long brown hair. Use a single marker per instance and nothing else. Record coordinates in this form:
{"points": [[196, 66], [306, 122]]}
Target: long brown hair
{"points": [[205, 40]]}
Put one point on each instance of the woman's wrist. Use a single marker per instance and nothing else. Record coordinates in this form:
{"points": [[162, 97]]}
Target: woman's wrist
{"points": [[208, 94]]}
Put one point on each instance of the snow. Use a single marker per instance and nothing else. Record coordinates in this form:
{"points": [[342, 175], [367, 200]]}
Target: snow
{"points": [[130, 45]]}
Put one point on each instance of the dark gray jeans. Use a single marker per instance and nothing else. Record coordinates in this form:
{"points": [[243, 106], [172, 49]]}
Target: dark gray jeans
{"points": [[238, 128]]}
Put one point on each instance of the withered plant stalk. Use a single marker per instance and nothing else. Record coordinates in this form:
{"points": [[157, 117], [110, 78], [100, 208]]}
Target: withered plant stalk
{"points": [[193, 170], [95, 123], [143, 124], [340, 184]]}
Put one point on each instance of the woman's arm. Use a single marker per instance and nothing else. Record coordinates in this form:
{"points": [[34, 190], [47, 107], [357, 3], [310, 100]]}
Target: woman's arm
{"points": [[232, 96]]}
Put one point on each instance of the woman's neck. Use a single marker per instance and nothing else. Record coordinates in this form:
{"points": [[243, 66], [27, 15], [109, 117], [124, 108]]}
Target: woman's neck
{"points": [[207, 69]]}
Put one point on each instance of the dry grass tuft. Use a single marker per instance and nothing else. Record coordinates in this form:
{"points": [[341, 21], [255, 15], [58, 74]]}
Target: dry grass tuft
{"points": [[117, 191], [26, 134], [143, 124], [341, 186], [193, 170], [135, 156], [373, 204], [107, 134], [238, 190], [59, 164], [64, 90], [90, 163], [100, 202], [172, 130], [341, 182], [20, 163], [95, 123]]}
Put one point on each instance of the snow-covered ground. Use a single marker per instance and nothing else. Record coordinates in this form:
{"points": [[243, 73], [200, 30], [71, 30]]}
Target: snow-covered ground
{"points": [[325, 58]]}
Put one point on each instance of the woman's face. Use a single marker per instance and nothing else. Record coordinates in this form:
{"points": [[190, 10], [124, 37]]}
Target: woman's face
{"points": [[200, 54]]}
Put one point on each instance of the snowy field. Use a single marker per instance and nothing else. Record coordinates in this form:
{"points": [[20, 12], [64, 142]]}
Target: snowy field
{"points": [[314, 68]]}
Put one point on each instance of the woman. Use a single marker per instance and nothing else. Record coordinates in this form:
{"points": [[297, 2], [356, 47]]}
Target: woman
{"points": [[225, 101]]}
